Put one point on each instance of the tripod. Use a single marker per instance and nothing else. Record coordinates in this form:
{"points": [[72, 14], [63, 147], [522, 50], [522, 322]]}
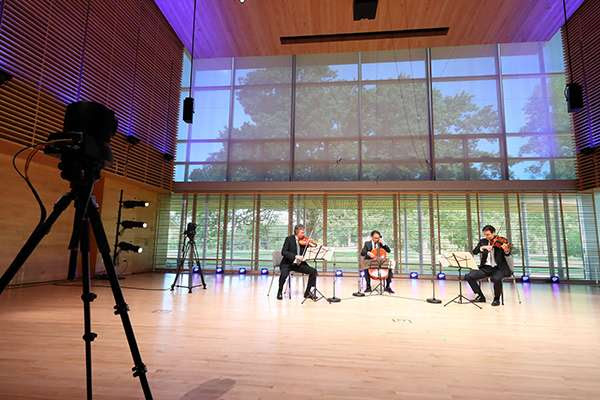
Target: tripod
{"points": [[188, 249], [86, 217]]}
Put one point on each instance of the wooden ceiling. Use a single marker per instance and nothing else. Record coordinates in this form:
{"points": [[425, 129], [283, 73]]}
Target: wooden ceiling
{"points": [[229, 28]]}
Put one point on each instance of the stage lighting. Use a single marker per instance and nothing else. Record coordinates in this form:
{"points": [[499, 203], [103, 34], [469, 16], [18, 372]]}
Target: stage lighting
{"points": [[168, 157], [242, 271], [132, 140], [441, 276], [525, 278], [219, 270], [124, 246], [135, 203], [195, 269], [264, 271], [133, 224], [554, 279], [242, 1], [414, 275], [4, 77], [362, 273], [339, 272]]}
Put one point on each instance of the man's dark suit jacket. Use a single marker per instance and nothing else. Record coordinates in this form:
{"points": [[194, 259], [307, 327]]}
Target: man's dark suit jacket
{"points": [[368, 246], [499, 256], [289, 251]]}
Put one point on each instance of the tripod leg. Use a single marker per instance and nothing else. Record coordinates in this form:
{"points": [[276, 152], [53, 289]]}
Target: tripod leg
{"points": [[121, 308], [197, 259], [34, 239], [180, 263], [87, 297]]}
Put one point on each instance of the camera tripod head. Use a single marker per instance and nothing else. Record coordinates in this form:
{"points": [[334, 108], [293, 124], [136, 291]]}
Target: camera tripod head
{"points": [[190, 231]]}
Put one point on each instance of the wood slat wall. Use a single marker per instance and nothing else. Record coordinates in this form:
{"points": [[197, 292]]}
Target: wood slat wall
{"points": [[121, 53], [584, 40]]}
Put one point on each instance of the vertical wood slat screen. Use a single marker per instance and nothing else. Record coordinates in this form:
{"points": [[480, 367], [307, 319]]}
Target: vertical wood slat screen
{"points": [[121, 53], [584, 41]]}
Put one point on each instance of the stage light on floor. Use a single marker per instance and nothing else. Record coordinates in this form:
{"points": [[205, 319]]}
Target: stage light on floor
{"points": [[242, 271], [264, 271], [362, 273], [339, 272], [441, 276], [414, 275], [525, 278], [219, 270], [554, 279], [196, 269]]}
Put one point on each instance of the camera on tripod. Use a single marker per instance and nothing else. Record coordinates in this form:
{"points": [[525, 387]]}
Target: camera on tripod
{"points": [[190, 231], [83, 144]]}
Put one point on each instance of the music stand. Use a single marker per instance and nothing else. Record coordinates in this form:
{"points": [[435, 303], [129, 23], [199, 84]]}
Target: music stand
{"points": [[460, 260], [316, 254]]}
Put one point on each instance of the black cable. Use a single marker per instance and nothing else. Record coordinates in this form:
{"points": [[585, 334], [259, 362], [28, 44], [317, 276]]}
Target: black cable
{"points": [[567, 37], [108, 286], [193, 37], [36, 195]]}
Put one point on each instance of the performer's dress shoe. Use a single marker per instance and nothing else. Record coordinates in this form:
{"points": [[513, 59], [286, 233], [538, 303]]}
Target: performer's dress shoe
{"points": [[368, 289], [389, 290], [279, 296], [496, 302], [479, 299]]}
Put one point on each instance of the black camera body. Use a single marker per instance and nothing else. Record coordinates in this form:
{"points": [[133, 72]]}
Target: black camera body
{"points": [[83, 145], [190, 231]]}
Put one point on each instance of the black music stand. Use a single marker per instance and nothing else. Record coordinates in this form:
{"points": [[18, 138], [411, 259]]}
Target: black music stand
{"points": [[318, 294], [455, 260]]}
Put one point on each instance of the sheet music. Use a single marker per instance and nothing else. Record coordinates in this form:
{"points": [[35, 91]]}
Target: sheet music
{"points": [[452, 259], [319, 252]]}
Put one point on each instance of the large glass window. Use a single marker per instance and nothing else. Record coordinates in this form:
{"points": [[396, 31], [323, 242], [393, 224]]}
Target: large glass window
{"points": [[551, 233], [497, 112]]}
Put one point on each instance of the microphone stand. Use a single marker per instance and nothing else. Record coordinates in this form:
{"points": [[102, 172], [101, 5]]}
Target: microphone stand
{"points": [[432, 299], [335, 299]]}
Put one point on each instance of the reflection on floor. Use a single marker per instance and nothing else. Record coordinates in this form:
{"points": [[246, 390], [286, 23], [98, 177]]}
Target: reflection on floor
{"points": [[231, 341]]}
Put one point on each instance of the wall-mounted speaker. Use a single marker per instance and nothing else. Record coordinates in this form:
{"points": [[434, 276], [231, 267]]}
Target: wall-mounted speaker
{"points": [[188, 110], [365, 9], [574, 96]]}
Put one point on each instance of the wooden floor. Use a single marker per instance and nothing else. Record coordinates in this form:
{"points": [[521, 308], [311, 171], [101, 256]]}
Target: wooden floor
{"points": [[231, 341]]}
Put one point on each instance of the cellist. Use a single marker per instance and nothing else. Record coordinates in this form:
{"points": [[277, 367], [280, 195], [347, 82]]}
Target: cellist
{"points": [[375, 253]]}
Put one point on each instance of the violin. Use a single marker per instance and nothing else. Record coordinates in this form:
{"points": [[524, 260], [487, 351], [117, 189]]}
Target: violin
{"points": [[306, 241], [499, 241]]}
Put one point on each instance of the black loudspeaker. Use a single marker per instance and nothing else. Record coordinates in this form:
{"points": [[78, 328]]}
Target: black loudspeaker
{"points": [[4, 77], [365, 9], [188, 110], [574, 95]]}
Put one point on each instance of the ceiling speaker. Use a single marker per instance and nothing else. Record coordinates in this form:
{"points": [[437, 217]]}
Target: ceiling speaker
{"points": [[574, 95]]}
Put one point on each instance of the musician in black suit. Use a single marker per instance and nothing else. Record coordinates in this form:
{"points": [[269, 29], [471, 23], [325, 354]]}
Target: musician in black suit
{"points": [[293, 260], [370, 253], [493, 264]]}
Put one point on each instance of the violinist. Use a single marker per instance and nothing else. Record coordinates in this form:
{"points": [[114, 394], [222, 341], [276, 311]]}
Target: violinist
{"points": [[375, 253], [493, 250], [293, 251]]}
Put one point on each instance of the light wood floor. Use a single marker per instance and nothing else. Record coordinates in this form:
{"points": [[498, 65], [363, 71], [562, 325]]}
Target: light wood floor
{"points": [[232, 342]]}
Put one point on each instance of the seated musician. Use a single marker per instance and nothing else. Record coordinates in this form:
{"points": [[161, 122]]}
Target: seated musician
{"points": [[370, 253], [293, 251], [493, 264]]}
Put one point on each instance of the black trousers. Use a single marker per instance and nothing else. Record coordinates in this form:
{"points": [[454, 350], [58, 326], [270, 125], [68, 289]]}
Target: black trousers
{"points": [[303, 268], [483, 272], [388, 281]]}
